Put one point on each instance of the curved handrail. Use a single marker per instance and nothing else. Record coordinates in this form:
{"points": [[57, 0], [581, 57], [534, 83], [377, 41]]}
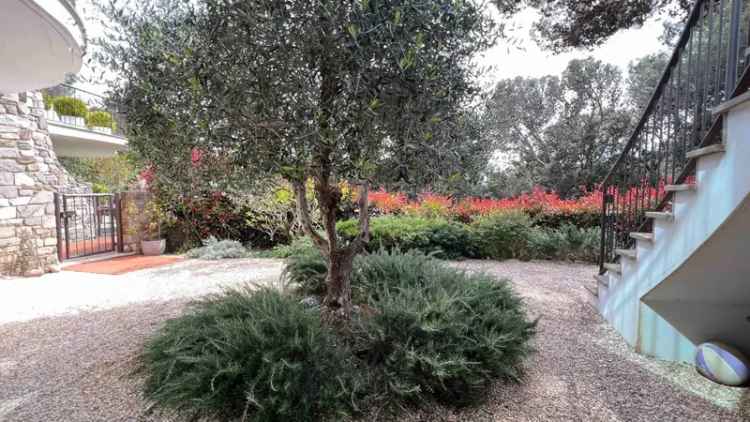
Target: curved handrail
{"points": [[702, 72], [69, 5], [655, 96]]}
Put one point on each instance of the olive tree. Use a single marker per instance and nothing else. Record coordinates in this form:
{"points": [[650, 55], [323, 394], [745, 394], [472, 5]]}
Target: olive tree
{"points": [[316, 91]]}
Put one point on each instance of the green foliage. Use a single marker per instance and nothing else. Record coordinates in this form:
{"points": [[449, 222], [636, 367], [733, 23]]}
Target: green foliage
{"points": [[503, 235], [567, 130], [582, 219], [48, 99], [113, 173], [567, 242], [218, 249], [258, 355], [99, 188], [307, 269], [69, 106], [436, 332], [299, 246], [100, 119], [442, 238], [577, 24]]}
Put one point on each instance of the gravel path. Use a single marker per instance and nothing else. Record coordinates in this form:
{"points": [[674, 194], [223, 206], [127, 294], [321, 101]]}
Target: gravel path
{"points": [[70, 292], [79, 367]]}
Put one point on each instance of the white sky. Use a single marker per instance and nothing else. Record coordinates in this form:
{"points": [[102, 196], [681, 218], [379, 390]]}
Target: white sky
{"points": [[505, 60], [525, 58]]}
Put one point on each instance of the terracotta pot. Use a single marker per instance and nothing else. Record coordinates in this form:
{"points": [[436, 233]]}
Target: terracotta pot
{"points": [[153, 247]]}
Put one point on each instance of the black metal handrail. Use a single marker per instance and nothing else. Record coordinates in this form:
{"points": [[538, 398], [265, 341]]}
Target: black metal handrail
{"points": [[94, 102], [701, 73]]}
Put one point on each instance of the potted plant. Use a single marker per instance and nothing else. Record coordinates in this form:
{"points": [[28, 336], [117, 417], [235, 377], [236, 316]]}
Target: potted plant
{"points": [[70, 110], [100, 121], [152, 242]]}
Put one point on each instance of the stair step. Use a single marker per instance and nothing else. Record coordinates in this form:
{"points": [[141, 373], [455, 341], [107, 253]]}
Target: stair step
{"points": [[666, 216], [615, 268], [649, 237], [700, 152], [679, 188], [629, 253]]}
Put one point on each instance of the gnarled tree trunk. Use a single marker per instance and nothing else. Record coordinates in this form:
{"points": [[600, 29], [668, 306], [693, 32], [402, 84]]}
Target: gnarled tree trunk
{"points": [[340, 257]]}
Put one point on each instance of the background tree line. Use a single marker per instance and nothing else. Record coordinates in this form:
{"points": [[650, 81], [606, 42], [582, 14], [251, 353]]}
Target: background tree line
{"points": [[565, 132]]}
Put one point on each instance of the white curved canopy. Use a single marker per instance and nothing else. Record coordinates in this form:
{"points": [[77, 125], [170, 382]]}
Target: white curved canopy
{"points": [[40, 42]]}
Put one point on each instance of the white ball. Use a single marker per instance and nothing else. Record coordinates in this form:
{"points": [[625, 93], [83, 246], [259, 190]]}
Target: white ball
{"points": [[722, 363]]}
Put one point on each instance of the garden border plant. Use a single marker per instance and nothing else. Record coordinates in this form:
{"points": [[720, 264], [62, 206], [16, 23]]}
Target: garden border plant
{"points": [[421, 332]]}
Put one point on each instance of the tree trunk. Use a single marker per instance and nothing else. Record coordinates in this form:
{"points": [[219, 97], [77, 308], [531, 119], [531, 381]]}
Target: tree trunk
{"points": [[340, 258], [339, 294]]}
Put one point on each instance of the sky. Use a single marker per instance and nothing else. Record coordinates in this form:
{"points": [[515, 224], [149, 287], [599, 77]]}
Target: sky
{"points": [[506, 60], [527, 59]]}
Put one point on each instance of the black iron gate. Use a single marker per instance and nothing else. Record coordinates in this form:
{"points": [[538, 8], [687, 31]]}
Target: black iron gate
{"points": [[87, 224]]}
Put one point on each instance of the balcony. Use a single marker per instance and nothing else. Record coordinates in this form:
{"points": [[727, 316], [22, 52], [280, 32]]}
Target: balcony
{"points": [[82, 123], [41, 42]]}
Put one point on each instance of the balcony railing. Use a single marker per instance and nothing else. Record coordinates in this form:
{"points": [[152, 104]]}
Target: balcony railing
{"points": [[708, 67], [94, 102]]}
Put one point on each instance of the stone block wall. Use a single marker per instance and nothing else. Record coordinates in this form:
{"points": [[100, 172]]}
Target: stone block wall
{"points": [[29, 175]]}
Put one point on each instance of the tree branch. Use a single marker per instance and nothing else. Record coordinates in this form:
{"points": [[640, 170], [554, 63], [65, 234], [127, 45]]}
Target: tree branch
{"points": [[303, 214]]}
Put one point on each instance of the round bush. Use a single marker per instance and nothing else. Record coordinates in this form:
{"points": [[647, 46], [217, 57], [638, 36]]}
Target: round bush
{"points": [[100, 119], [436, 332], [69, 106], [258, 355], [503, 235]]}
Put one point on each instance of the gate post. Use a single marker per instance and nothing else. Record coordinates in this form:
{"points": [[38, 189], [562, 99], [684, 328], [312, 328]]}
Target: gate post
{"points": [[120, 239], [58, 229]]}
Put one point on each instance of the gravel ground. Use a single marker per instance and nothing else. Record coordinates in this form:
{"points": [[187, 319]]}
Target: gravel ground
{"points": [[70, 292], [80, 367]]}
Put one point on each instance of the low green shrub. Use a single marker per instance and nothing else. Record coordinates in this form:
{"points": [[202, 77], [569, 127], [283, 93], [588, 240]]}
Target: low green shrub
{"points": [[567, 242], [436, 332], [580, 219], [307, 270], [214, 248], [445, 239], [503, 235], [299, 246], [69, 106], [100, 119], [255, 355]]}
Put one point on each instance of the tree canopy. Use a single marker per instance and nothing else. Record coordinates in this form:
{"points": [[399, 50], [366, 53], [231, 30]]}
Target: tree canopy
{"points": [[567, 24], [317, 90], [564, 132]]}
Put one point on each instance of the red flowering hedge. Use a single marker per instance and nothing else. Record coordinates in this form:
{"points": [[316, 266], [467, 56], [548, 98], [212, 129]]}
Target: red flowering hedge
{"points": [[546, 208]]}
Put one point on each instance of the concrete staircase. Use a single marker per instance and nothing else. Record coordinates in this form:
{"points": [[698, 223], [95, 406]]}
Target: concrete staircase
{"points": [[688, 279]]}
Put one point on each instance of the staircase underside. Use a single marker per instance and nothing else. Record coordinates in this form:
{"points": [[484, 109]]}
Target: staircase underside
{"points": [[708, 297], [690, 279]]}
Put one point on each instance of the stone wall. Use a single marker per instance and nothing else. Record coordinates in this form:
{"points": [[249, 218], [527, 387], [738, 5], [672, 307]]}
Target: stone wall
{"points": [[29, 175]]}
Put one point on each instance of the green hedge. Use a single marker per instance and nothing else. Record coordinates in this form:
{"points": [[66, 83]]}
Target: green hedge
{"points": [[68, 106], [510, 235], [445, 239]]}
